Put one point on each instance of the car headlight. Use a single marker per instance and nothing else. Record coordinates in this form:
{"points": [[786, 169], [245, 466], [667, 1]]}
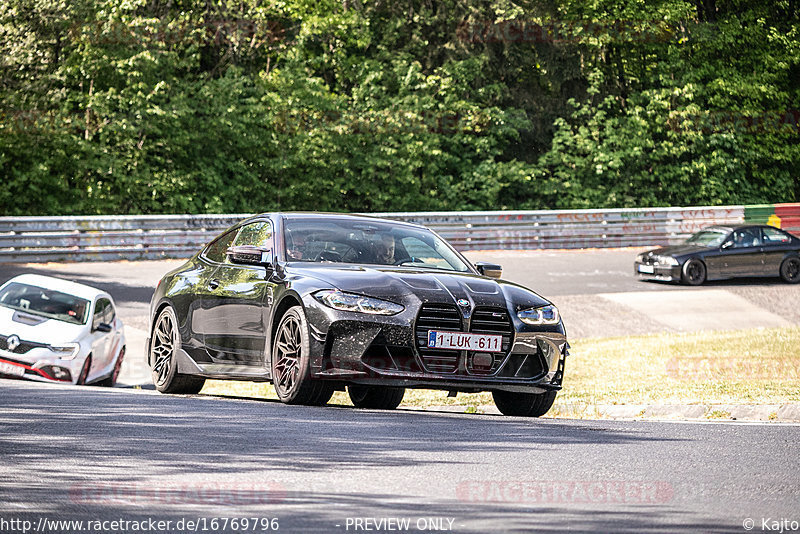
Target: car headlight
{"points": [[667, 260], [543, 315], [351, 302], [67, 351]]}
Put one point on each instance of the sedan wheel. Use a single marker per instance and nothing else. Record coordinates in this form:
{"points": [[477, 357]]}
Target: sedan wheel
{"points": [[790, 270], [291, 373], [375, 397], [165, 344], [524, 404], [694, 272]]}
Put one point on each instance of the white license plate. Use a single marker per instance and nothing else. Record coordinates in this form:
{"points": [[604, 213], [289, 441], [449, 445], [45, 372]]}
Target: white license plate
{"points": [[13, 370], [649, 269], [438, 339]]}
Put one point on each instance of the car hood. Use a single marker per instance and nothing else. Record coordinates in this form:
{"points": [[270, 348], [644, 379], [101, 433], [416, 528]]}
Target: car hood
{"points": [[676, 250], [31, 327], [396, 283]]}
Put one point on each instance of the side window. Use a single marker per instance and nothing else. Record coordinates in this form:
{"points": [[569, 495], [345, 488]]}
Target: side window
{"points": [[256, 234], [746, 237], [108, 313], [216, 250], [773, 236], [100, 312]]}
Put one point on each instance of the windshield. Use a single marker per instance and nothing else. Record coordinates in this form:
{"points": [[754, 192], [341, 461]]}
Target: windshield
{"points": [[708, 238], [367, 242], [45, 302]]}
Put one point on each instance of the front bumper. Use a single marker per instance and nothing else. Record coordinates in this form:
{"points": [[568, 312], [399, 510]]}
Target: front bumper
{"points": [[655, 271], [41, 370], [358, 348]]}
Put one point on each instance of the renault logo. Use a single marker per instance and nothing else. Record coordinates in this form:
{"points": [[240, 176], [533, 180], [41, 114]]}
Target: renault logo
{"points": [[464, 303], [13, 342]]}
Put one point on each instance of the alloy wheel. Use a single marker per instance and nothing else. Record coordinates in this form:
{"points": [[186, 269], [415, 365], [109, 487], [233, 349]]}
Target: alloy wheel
{"points": [[163, 348], [289, 345]]}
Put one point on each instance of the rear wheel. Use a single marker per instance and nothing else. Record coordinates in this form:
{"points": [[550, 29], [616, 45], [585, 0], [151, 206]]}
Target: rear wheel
{"points": [[524, 404], [165, 344], [790, 270], [375, 397], [111, 381], [694, 272], [291, 369]]}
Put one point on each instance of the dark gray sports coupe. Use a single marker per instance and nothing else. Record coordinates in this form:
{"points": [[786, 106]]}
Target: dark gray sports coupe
{"points": [[719, 252], [319, 302]]}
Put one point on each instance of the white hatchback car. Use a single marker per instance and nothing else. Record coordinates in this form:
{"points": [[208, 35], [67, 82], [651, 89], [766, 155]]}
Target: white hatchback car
{"points": [[52, 330]]}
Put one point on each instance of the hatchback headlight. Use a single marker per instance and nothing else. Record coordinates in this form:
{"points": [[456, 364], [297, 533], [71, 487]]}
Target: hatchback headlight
{"points": [[351, 302], [67, 351], [543, 315]]}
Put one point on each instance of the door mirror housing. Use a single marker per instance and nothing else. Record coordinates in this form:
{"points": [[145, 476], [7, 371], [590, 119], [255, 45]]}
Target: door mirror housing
{"points": [[492, 270], [250, 255], [103, 327]]}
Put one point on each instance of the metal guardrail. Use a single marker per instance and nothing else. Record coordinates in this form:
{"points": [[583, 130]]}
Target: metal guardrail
{"points": [[137, 237]]}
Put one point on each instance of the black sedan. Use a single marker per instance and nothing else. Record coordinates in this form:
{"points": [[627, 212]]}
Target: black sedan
{"points": [[720, 252], [323, 302]]}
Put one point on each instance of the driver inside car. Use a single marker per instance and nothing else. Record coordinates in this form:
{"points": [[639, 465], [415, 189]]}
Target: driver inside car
{"points": [[384, 250]]}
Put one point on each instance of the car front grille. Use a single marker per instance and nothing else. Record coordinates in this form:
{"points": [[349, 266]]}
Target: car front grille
{"points": [[437, 317], [22, 348], [491, 321]]}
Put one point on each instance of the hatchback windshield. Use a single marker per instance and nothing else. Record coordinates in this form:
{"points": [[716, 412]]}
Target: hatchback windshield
{"points": [[708, 238], [45, 302], [367, 242]]}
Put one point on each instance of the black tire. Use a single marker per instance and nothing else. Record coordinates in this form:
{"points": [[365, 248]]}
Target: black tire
{"points": [[111, 381], [524, 404], [790, 270], [164, 345], [693, 272], [291, 369], [84, 374], [376, 397]]}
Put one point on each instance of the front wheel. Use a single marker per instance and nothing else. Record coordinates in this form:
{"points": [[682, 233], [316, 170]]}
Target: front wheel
{"points": [[524, 404], [790, 270], [165, 344], [693, 272], [376, 398], [291, 370]]}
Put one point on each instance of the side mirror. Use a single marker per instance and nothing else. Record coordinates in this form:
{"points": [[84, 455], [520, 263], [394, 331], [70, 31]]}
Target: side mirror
{"points": [[492, 270], [727, 244], [250, 255], [103, 327]]}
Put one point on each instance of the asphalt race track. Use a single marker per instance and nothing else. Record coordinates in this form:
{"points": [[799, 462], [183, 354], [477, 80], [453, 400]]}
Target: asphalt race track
{"points": [[89, 454], [93, 454]]}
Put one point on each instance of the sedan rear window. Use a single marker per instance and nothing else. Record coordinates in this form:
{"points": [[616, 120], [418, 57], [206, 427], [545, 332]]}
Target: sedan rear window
{"points": [[45, 302]]}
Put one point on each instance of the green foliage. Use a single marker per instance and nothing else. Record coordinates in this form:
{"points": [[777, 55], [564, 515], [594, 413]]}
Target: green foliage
{"points": [[134, 106]]}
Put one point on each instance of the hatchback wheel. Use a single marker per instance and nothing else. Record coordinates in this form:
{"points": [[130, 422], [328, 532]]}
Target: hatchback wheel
{"points": [[790, 270], [291, 371], [87, 365], [164, 345]]}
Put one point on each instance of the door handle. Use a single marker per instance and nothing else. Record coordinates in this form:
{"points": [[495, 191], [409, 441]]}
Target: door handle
{"points": [[213, 284]]}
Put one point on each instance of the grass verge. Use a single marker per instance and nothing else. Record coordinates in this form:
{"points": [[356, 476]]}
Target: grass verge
{"points": [[759, 366]]}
